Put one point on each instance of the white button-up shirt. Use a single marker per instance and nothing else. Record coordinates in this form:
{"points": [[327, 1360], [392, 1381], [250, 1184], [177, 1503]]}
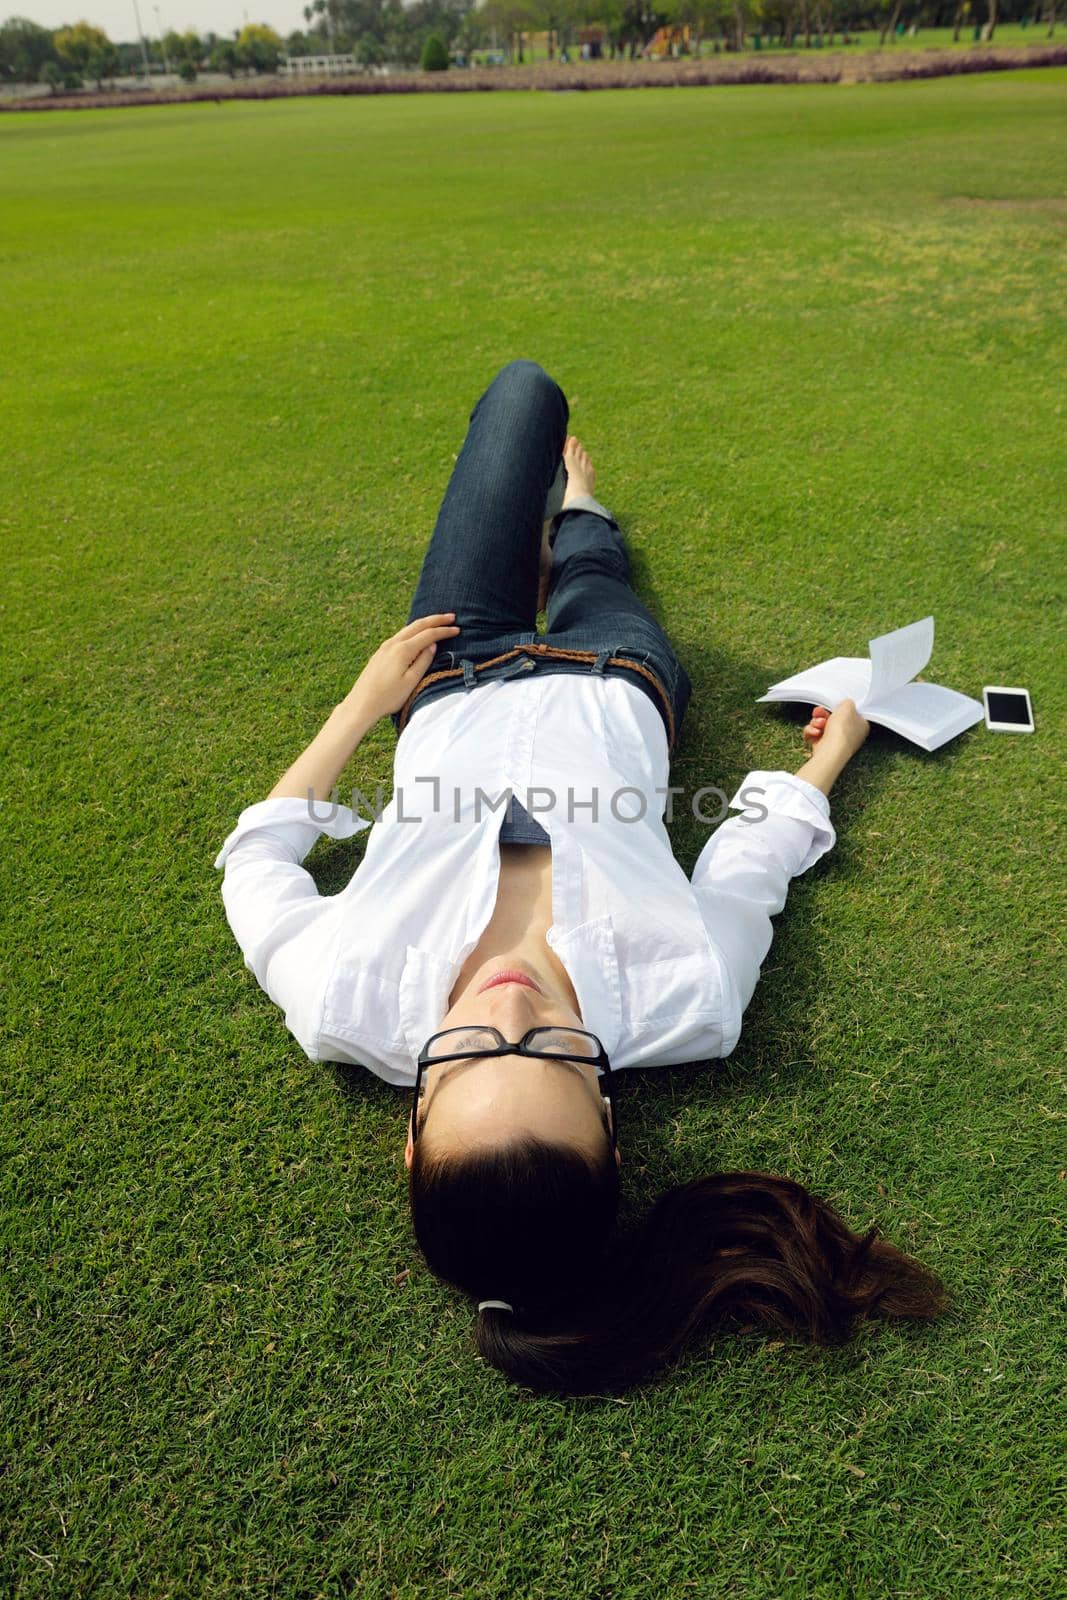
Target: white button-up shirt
{"points": [[662, 967]]}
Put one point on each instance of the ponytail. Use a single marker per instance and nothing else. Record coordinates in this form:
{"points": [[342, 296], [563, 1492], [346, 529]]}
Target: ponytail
{"points": [[530, 1224]]}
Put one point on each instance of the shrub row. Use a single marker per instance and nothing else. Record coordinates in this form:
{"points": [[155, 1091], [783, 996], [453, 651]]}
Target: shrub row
{"points": [[590, 76]]}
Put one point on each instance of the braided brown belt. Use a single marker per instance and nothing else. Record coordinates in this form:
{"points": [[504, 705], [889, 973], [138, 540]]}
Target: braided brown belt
{"points": [[545, 650]]}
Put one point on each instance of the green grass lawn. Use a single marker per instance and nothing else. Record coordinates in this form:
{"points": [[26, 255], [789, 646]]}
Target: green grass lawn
{"points": [[813, 339], [1007, 33], [1035, 34]]}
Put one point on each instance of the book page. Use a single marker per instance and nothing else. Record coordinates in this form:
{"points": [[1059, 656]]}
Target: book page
{"points": [[925, 713], [897, 657], [841, 678]]}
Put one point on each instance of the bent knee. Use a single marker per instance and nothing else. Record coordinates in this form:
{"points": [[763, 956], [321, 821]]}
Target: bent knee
{"points": [[525, 374]]}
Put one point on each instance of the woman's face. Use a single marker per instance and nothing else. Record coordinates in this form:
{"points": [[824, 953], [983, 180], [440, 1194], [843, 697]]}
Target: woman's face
{"points": [[481, 1101]]}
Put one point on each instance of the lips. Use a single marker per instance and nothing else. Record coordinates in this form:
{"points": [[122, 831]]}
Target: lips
{"points": [[508, 975]]}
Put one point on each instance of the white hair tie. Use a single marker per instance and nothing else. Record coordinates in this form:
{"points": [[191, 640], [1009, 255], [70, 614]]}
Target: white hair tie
{"points": [[500, 1305]]}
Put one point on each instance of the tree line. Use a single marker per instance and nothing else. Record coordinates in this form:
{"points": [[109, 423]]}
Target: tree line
{"points": [[385, 30], [435, 32], [67, 57]]}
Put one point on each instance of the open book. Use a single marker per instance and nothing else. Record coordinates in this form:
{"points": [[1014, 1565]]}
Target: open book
{"points": [[883, 690]]}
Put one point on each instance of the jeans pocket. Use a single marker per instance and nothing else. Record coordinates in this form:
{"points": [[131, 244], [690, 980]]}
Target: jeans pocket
{"points": [[658, 662]]}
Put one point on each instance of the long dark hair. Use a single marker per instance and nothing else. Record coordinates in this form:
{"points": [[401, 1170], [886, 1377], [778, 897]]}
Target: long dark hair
{"points": [[530, 1223]]}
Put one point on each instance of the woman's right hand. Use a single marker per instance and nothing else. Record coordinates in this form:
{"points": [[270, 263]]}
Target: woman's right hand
{"points": [[398, 665], [840, 734]]}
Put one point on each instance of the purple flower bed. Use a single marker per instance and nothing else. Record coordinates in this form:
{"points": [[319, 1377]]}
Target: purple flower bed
{"points": [[552, 77], [954, 64]]}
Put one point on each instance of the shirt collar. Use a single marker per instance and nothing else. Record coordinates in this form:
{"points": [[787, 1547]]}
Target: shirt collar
{"points": [[587, 952]]}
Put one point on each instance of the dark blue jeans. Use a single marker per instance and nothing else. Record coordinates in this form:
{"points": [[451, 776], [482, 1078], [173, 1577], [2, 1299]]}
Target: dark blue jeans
{"points": [[484, 557]]}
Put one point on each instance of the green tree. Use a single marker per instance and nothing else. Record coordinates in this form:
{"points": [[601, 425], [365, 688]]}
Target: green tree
{"points": [[103, 64], [554, 18], [740, 20], [184, 49], [508, 21], [25, 48], [891, 10], [609, 15], [224, 57], [779, 18], [640, 21], [130, 59], [471, 34], [52, 74], [259, 47], [77, 45], [701, 17], [403, 41], [434, 55], [369, 51], [344, 23]]}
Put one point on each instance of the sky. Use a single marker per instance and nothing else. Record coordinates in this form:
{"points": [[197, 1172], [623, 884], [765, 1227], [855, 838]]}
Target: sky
{"points": [[119, 22]]}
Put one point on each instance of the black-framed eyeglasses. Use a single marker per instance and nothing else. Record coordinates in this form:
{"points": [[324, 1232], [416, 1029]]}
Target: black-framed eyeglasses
{"points": [[545, 1044]]}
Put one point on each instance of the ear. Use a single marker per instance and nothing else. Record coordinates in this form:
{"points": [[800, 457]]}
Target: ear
{"points": [[409, 1152]]}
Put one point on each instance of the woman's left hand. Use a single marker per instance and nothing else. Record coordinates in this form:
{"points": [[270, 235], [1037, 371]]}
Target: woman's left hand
{"points": [[843, 732], [397, 665]]}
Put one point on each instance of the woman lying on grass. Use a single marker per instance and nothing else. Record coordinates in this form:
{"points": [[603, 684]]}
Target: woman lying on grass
{"points": [[507, 968]]}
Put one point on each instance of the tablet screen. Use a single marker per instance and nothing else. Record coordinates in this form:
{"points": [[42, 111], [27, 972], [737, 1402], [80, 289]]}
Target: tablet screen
{"points": [[1008, 708]]}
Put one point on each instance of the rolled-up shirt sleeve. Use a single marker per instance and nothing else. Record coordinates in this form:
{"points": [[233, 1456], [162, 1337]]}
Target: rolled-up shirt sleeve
{"points": [[742, 875], [274, 908]]}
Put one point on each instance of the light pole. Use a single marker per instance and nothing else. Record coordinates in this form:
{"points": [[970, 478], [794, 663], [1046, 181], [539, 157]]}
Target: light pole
{"points": [[162, 45], [140, 35]]}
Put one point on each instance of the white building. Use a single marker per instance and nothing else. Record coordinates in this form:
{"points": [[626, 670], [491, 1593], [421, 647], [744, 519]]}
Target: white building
{"points": [[318, 66]]}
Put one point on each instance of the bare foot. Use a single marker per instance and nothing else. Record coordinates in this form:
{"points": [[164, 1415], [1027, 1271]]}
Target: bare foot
{"points": [[581, 474]]}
